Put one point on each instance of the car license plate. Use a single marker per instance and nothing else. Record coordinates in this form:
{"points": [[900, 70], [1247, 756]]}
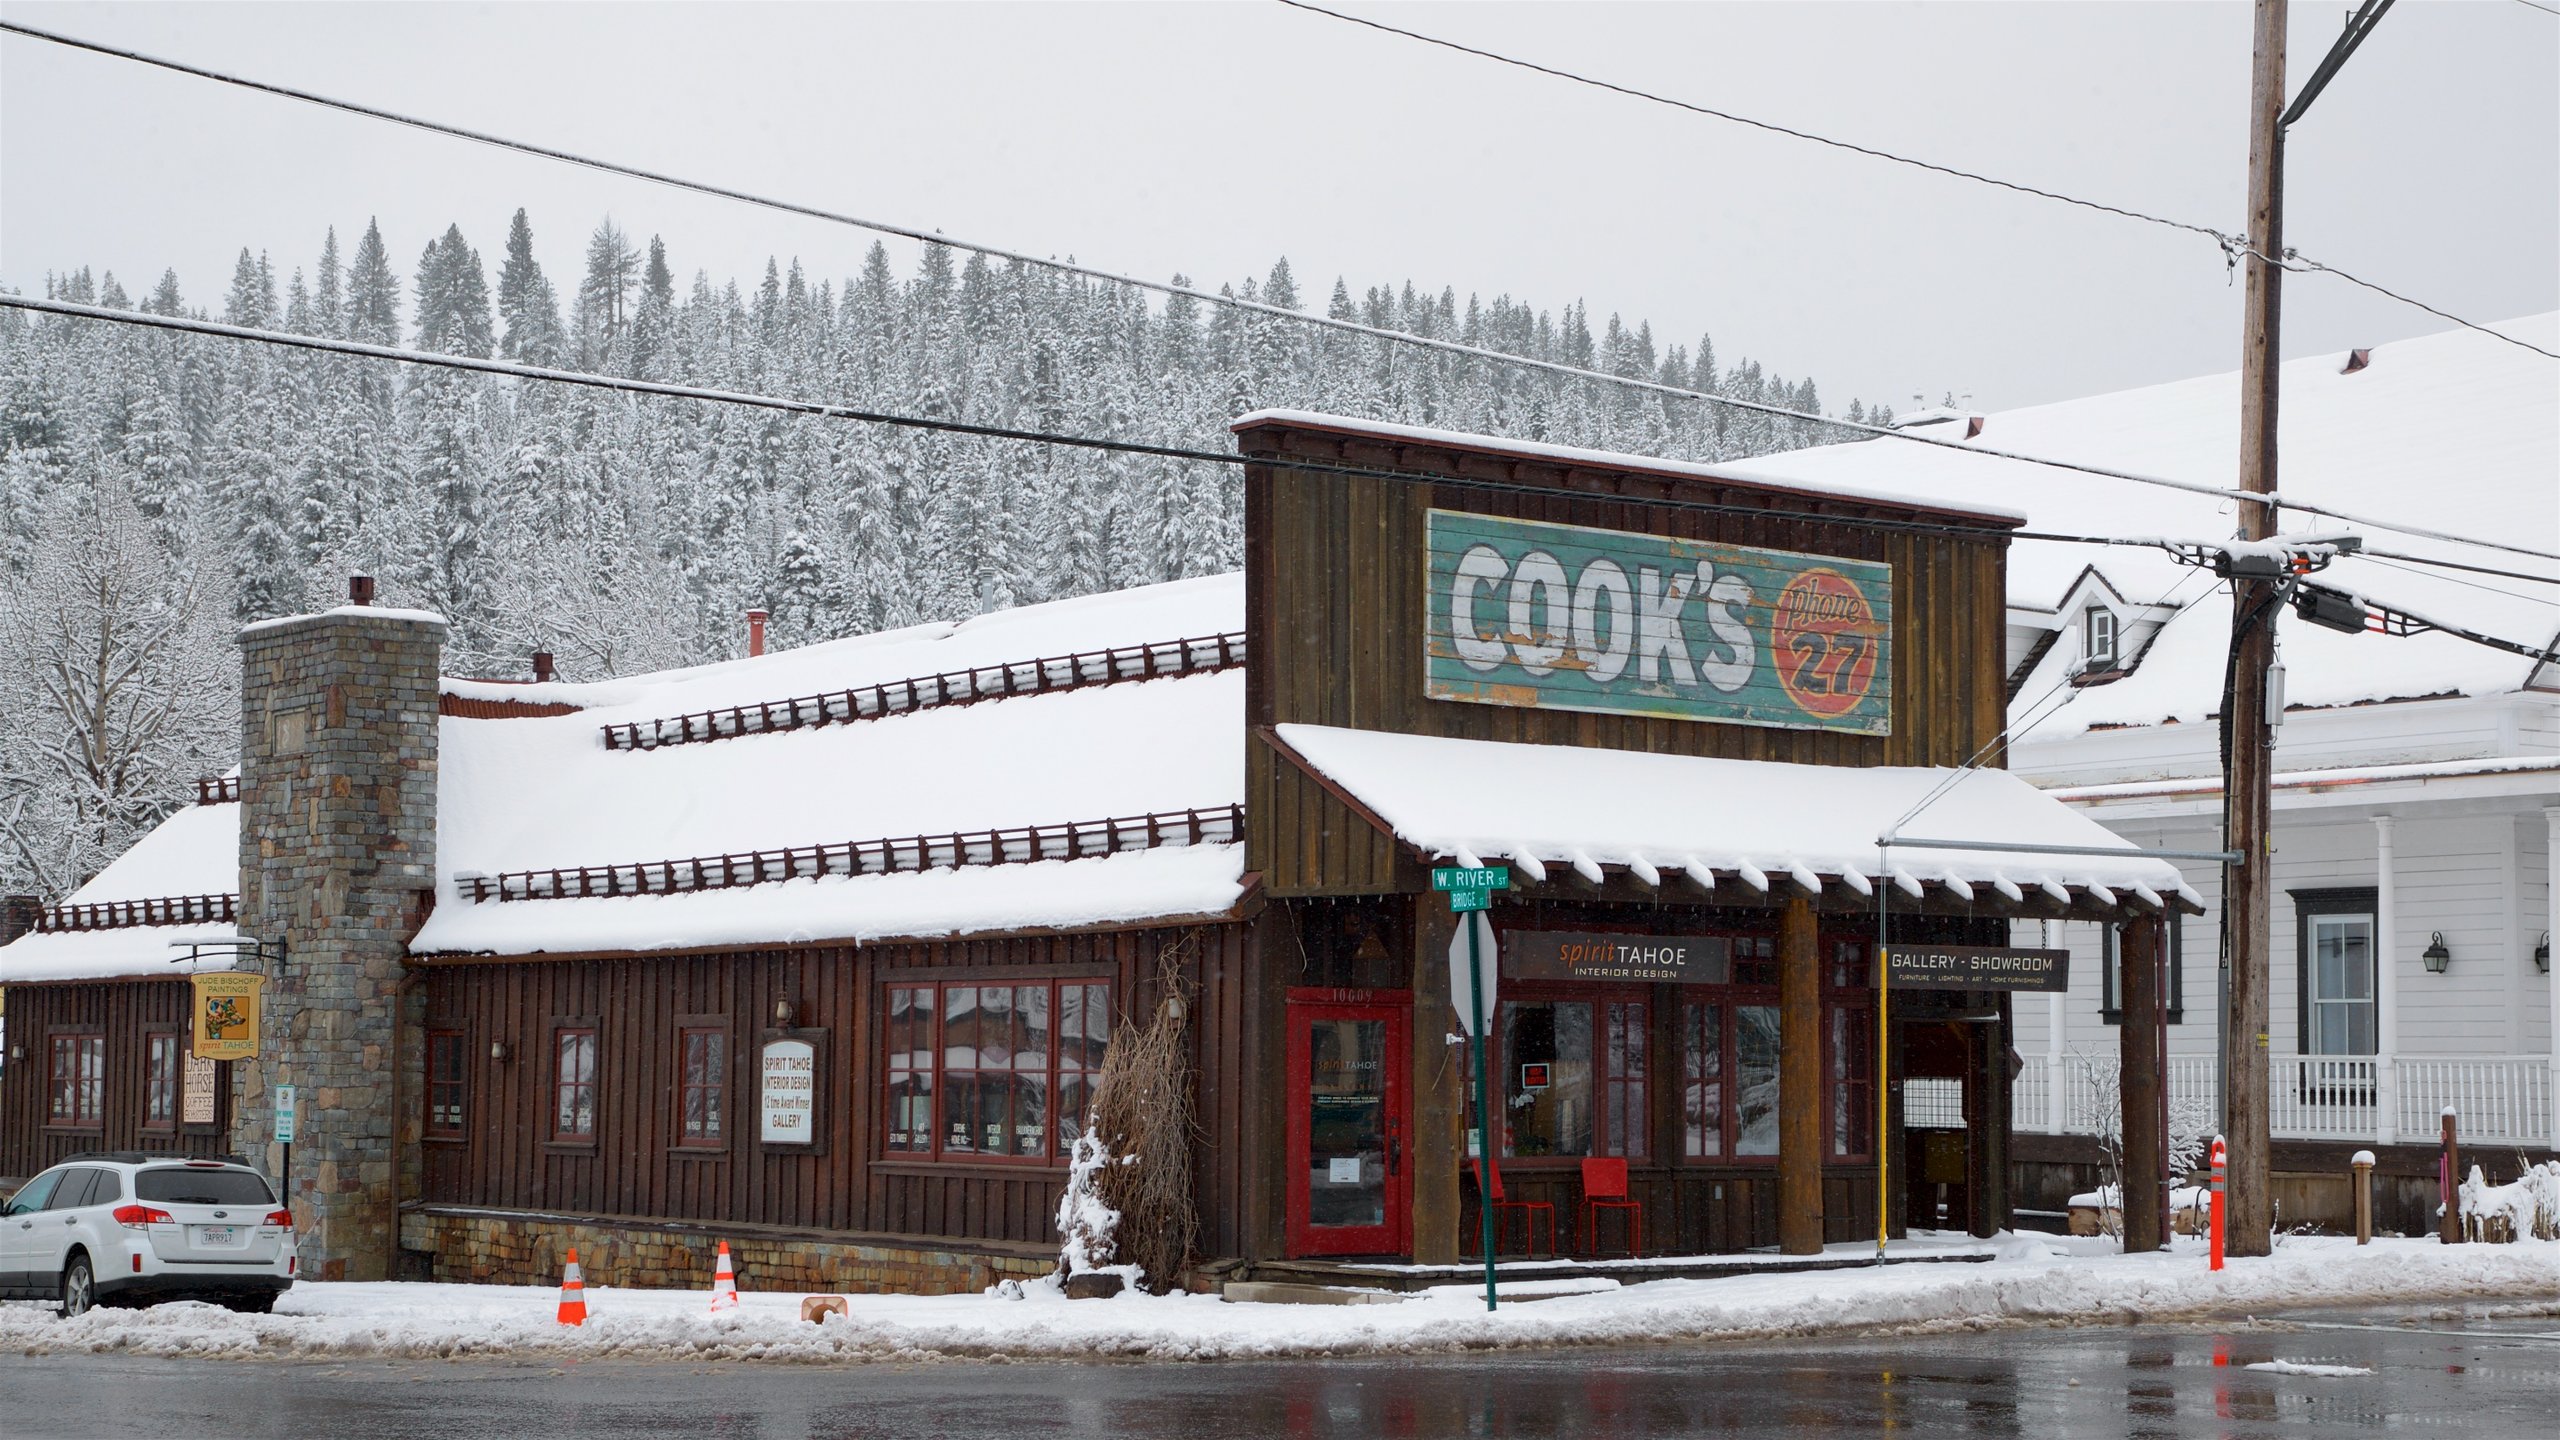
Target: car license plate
{"points": [[218, 1235]]}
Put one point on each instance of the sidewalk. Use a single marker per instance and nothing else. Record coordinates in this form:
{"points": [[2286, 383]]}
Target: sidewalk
{"points": [[2034, 1279]]}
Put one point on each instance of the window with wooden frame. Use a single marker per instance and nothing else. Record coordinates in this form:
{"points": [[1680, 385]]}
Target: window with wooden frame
{"points": [[1729, 1056], [702, 1087], [1573, 1072], [2098, 637], [162, 1067], [992, 1073], [78, 1081], [573, 1083], [448, 1086], [2173, 932]]}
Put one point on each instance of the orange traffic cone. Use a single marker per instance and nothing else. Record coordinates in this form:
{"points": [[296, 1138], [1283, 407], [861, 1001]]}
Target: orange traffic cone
{"points": [[724, 1283], [573, 1295]]}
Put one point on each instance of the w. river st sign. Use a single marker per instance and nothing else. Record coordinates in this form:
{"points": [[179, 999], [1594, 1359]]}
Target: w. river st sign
{"points": [[1563, 617]]}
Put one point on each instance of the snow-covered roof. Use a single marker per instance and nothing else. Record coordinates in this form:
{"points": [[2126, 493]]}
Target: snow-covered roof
{"points": [[1898, 498], [1565, 807], [194, 852], [2456, 432], [523, 794]]}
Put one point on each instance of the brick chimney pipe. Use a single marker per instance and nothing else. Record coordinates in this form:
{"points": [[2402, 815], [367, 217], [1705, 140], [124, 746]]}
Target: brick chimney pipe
{"points": [[360, 589], [755, 631], [18, 915], [541, 666]]}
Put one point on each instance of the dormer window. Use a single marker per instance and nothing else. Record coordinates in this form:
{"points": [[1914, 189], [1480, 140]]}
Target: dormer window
{"points": [[2098, 637]]}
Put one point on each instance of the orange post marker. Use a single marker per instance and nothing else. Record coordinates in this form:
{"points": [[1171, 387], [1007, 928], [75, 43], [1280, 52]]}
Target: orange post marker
{"points": [[573, 1294], [724, 1283], [2220, 1167]]}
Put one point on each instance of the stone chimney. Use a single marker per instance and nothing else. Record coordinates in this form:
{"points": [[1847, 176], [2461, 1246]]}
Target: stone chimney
{"points": [[337, 861], [18, 915]]}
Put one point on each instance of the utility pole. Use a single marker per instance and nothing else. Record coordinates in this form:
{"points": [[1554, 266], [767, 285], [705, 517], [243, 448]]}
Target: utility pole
{"points": [[2246, 908], [2248, 767]]}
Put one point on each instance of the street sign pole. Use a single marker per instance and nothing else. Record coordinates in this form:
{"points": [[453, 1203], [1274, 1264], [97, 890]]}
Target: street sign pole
{"points": [[1470, 889], [1484, 1129]]}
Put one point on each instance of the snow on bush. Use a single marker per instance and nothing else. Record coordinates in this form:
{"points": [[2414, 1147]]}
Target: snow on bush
{"points": [[2527, 1206], [1085, 1221]]}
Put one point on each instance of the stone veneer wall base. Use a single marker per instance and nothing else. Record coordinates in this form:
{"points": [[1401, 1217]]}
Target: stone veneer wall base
{"points": [[458, 1243]]}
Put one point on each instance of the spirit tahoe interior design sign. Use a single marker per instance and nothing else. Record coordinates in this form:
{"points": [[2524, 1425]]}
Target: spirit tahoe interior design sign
{"points": [[790, 1094], [1610, 956], [1565, 617]]}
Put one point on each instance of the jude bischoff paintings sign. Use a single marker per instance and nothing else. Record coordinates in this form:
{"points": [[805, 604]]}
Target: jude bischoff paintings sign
{"points": [[1564, 617]]}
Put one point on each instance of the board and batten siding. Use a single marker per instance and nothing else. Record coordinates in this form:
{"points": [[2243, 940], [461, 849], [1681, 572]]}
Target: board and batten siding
{"points": [[1335, 623], [508, 1157], [124, 1012]]}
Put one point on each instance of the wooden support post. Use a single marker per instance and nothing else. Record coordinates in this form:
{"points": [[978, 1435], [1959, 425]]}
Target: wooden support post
{"points": [[1800, 1229], [2139, 1040], [1433, 1156], [2449, 1184], [2363, 1166]]}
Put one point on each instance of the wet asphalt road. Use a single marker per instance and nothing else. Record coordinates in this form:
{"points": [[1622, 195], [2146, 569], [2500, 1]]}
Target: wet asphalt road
{"points": [[2479, 1379]]}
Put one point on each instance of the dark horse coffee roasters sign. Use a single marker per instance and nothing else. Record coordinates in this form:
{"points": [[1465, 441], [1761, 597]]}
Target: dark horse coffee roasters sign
{"points": [[1562, 617]]}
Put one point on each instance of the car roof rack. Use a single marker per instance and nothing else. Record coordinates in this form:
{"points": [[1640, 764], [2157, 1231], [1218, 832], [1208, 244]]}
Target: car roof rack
{"points": [[147, 1157]]}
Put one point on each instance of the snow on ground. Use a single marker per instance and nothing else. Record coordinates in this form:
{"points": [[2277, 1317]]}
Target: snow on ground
{"points": [[2037, 1279]]}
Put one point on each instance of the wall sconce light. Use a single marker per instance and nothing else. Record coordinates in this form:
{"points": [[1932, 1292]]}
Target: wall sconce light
{"points": [[498, 1051], [782, 1014], [2542, 953], [2435, 954]]}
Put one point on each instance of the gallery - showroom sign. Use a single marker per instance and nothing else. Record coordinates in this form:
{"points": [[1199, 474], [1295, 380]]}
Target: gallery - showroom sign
{"points": [[1564, 617]]}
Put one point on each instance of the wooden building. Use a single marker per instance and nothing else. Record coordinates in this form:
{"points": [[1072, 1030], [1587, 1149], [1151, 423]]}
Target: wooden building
{"points": [[820, 951]]}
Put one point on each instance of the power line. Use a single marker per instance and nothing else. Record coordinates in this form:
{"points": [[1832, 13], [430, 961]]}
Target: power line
{"points": [[2232, 245], [2371, 554], [822, 410], [2536, 5], [1088, 272]]}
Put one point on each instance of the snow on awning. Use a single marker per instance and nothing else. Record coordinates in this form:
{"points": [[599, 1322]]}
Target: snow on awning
{"points": [[1733, 826]]}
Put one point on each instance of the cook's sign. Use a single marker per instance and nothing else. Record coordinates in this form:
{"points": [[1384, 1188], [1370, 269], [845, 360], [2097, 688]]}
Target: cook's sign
{"points": [[1563, 617], [1976, 967]]}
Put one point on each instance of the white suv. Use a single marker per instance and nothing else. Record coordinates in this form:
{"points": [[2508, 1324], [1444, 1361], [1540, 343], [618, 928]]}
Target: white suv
{"points": [[122, 1225]]}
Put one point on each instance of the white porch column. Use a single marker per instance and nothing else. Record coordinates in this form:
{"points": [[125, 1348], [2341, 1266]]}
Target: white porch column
{"points": [[2386, 988], [2057, 1083], [2551, 924]]}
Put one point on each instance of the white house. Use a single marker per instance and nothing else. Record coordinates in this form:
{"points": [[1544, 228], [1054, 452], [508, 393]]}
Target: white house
{"points": [[2417, 796]]}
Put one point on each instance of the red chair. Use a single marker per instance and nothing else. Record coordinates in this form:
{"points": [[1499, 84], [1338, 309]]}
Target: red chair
{"points": [[1604, 1187], [1529, 1210]]}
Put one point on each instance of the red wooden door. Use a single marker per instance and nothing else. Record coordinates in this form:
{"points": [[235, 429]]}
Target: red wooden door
{"points": [[1350, 1176]]}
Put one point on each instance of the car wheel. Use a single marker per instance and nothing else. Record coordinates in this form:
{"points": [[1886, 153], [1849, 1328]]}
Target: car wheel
{"points": [[79, 1287]]}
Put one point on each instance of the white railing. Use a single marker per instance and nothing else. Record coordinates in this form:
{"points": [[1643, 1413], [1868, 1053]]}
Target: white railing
{"points": [[2031, 1098], [2322, 1097], [2498, 1099]]}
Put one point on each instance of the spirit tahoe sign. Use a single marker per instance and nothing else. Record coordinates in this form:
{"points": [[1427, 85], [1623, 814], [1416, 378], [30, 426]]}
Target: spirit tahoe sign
{"points": [[1564, 617]]}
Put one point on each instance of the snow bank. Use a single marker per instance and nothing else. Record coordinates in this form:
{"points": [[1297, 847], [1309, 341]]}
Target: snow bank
{"points": [[2038, 1280]]}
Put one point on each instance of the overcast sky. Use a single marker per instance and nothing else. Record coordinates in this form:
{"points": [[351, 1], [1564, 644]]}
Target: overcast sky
{"points": [[1210, 138]]}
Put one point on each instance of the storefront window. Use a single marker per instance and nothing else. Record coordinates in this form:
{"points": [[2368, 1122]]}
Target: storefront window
{"points": [[993, 1072], [1546, 1055], [1755, 1072], [1852, 1080], [160, 1082], [1624, 1130], [1702, 1093], [79, 1080], [446, 1087]]}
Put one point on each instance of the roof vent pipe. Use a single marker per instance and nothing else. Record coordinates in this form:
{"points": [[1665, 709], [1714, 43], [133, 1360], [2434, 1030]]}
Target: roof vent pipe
{"points": [[360, 589], [2357, 360], [755, 632], [541, 667]]}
